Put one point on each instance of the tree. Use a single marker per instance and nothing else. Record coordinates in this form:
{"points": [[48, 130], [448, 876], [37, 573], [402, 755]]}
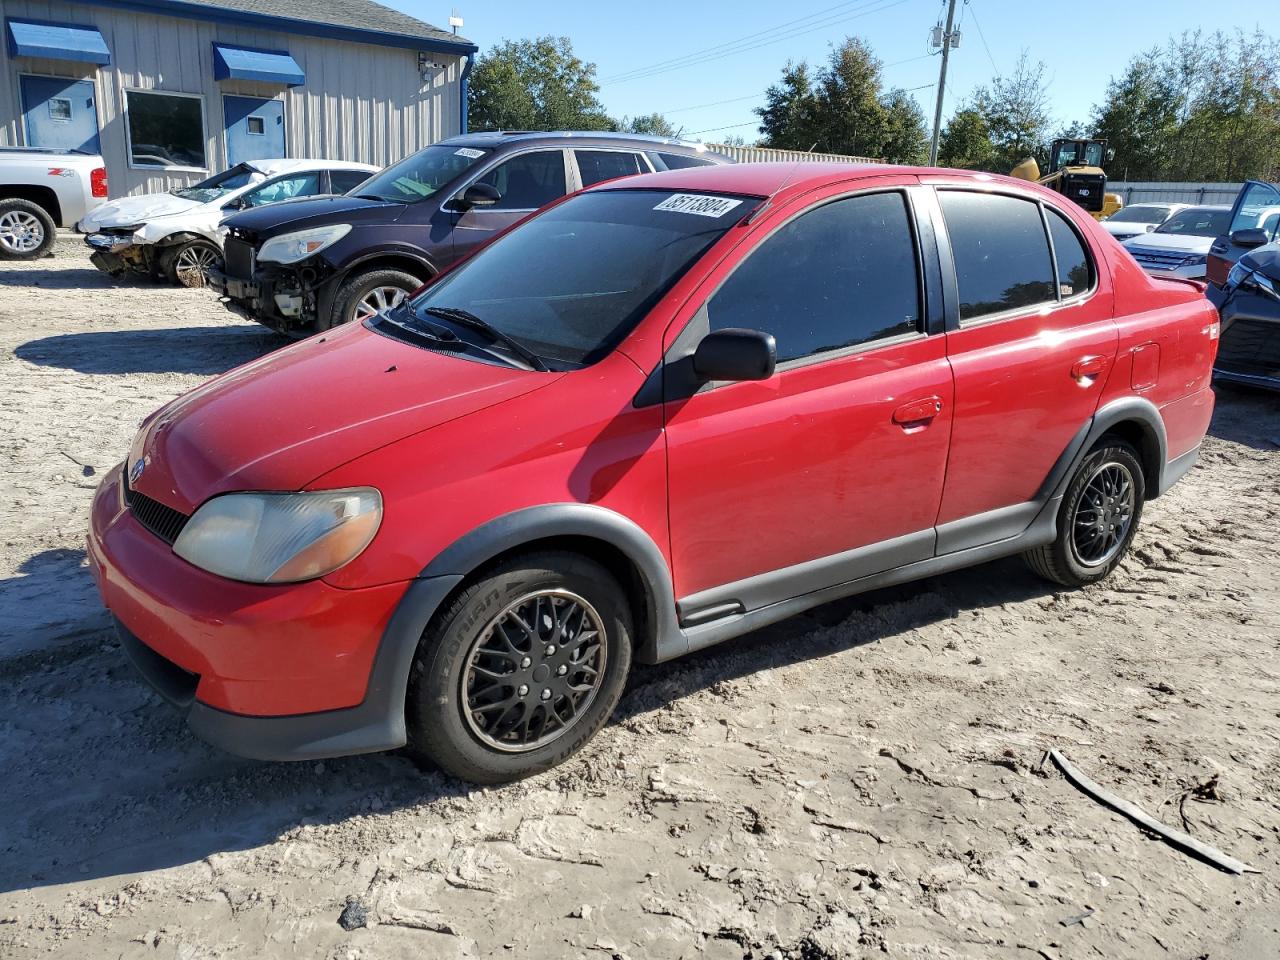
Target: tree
{"points": [[653, 124], [535, 84], [1139, 118], [842, 108], [966, 142], [1204, 108], [1015, 108]]}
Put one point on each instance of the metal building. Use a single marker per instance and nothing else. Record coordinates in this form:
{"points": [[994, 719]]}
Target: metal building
{"points": [[170, 91]]}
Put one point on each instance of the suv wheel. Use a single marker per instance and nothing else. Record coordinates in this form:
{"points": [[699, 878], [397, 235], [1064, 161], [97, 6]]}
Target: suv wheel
{"points": [[26, 230], [186, 263], [521, 670], [1098, 518], [365, 294]]}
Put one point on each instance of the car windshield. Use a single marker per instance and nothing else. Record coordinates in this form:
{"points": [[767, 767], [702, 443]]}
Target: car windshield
{"points": [[220, 184], [1197, 222], [1139, 214], [572, 282], [419, 176]]}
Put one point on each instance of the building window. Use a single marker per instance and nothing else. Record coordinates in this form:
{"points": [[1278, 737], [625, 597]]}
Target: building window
{"points": [[60, 109], [257, 127], [165, 129]]}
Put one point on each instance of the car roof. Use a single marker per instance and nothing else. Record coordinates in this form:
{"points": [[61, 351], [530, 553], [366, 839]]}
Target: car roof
{"points": [[1209, 208], [495, 137], [273, 167], [770, 179]]}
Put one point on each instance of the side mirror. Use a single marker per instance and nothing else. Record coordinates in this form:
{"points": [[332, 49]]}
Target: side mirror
{"points": [[1111, 154], [1250, 238], [736, 354], [477, 195]]}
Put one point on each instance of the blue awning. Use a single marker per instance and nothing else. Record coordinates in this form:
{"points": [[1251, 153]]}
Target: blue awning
{"points": [[246, 63], [56, 41]]}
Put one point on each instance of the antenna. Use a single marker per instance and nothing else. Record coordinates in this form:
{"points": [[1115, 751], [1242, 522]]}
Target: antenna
{"points": [[455, 19]]}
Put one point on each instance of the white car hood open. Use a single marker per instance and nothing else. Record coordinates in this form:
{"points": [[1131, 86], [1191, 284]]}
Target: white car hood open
{"points": [[1173, 242], [132, 211]]}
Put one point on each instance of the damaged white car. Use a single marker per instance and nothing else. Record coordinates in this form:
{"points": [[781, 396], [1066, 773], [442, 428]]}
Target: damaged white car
{"points": [[174, 236]]}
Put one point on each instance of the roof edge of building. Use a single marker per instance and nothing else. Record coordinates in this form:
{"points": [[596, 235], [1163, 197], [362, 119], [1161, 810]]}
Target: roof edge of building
{"points": [[458, 46]]}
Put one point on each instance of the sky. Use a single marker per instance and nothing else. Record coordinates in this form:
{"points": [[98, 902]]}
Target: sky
{"points": [[704, 65]]}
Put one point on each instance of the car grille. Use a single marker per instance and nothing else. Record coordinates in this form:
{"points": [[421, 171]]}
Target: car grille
{"points": [[1158, 259], [1250, 347], [165, 522], [237, 259]]}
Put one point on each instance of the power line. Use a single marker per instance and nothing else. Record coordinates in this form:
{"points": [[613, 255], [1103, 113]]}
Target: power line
{"points": [[731, 126], [730, 43], [982, 36], [699, 59]]}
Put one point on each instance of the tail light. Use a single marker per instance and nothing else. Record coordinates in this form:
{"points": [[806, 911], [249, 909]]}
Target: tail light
{"points": [[98, 182]]}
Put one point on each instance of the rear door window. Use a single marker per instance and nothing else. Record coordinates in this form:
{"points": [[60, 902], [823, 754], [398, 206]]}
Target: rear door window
{"points": [[596, 166], [527, 181], [1000, 250], [344, 180], [837, 276]]}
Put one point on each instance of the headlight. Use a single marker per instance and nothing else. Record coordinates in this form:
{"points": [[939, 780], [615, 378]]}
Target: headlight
{"points": [[280, 537], [1237, 274], [1266, 285], [292, 247]]}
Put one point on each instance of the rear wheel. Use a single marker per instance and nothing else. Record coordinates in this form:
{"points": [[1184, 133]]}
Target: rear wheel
{"points": [[521, 670], [186, 263], [1098, 518], [26, 230], [369, 293]]}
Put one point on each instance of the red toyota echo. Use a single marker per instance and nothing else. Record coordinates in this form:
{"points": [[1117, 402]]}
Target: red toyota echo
{"points": [[658, 414]]}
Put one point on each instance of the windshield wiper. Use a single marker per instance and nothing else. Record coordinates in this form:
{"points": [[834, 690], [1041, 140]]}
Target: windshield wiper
{"points": [[374, 196], [466, 318], [421, 332]]}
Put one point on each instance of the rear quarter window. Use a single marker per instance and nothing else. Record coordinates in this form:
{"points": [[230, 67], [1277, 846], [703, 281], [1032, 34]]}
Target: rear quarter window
{"points": [[1075, 267]]}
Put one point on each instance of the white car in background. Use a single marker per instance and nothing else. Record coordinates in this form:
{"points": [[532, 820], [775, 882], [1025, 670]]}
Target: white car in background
{"points": [[174, 235], [1139, 218], [41, 190], [1179, 247]]}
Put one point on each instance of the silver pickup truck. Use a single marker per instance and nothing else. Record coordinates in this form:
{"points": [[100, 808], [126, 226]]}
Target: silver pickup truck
{"points": [[41, 190]]}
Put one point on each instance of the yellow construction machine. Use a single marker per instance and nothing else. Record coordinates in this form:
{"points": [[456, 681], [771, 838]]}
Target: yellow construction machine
{"points": [[1075, 171]]}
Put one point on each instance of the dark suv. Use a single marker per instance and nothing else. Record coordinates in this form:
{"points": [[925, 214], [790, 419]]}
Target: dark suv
{"points": [[324, 262]]}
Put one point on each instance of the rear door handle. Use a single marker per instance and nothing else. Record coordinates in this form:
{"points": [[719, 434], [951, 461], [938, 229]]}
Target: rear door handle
{"points": [[1088, 369], [918, 412]]}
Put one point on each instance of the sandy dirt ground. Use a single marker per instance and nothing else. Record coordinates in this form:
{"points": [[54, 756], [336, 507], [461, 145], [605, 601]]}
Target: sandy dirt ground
{"points": [[857, 782]]}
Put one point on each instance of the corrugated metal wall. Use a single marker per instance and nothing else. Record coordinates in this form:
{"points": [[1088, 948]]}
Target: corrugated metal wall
{"points": [[1133, 191], [768, 155], [360, 102]]}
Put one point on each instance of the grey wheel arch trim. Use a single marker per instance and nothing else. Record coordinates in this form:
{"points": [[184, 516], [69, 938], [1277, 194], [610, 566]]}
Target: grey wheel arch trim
{"points": [[663, 639], [1154, 451]]}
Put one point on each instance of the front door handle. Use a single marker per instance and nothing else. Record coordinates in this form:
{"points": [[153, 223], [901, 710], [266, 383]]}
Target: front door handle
{"points": [[1087, 369], [918, 412]]}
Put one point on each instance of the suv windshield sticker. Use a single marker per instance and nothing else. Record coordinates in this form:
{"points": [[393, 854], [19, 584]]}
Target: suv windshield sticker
{"points": [[469, 152], [701, 205]]}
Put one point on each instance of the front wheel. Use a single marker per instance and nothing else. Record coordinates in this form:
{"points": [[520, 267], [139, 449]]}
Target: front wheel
{"points": [[521, 670], [1098, 518], [367, 294], [186, 263]]}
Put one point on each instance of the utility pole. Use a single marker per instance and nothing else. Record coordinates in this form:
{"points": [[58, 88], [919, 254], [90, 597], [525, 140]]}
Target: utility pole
{"points": [[947, 36]]}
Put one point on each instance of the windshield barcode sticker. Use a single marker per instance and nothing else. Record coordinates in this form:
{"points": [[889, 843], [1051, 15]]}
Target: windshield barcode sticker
{"points": [[698, 204], [469, 153]]}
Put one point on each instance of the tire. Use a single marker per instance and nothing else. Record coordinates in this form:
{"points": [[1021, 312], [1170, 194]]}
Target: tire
{"points": [[1098, 518], [462, 663], [365, 289], [27, 231], [185, 263]]}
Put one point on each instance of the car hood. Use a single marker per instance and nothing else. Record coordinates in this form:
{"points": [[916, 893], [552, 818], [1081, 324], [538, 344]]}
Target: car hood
{"points": [[274, 218], [1181, 243], [285, 419], [1123, 229], [130, 211]]}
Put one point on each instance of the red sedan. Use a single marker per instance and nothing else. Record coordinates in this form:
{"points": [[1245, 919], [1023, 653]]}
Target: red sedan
{"points": [[657, 415]]}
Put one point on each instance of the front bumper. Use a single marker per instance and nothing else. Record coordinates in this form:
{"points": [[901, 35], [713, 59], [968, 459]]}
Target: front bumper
{"points": [[273, 672], [1249, 343]]}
